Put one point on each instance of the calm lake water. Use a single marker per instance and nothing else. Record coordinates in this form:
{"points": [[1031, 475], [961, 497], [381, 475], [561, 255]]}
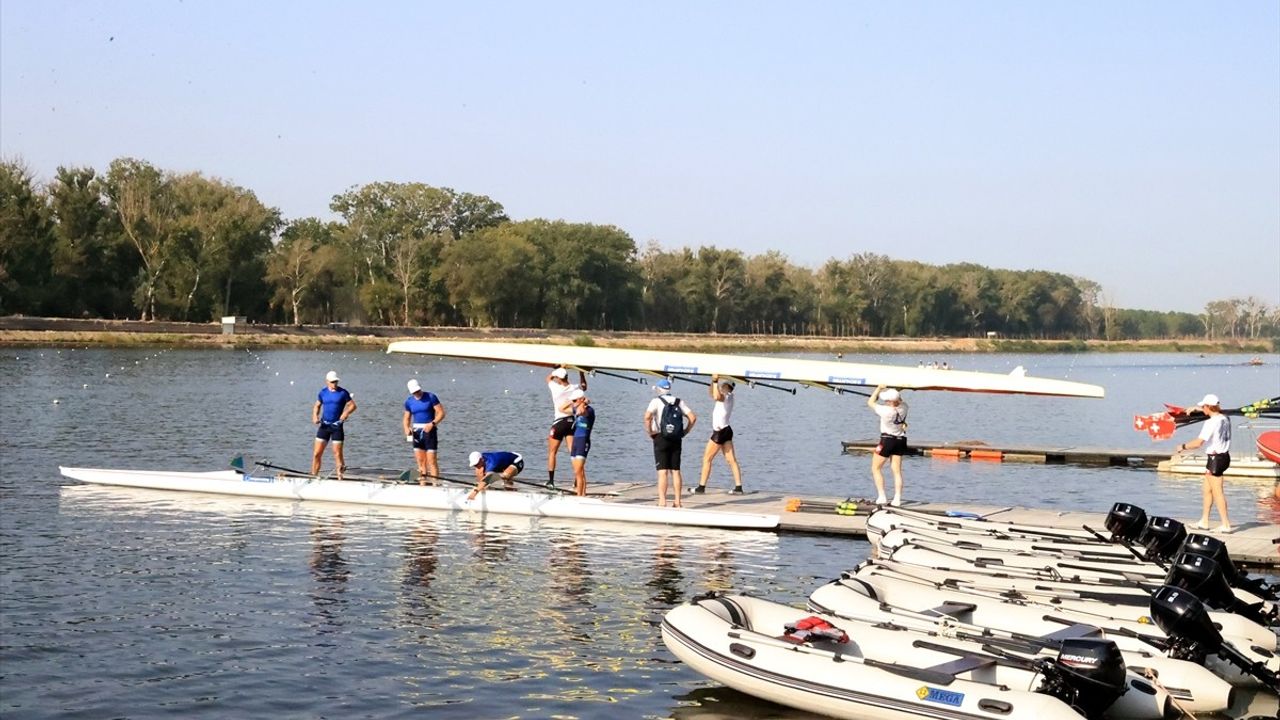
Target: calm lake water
{"points": [[142, 604]]}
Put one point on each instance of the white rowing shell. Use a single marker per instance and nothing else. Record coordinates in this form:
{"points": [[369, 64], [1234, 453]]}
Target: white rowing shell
{"points": [[229, 482], [749, 368]]}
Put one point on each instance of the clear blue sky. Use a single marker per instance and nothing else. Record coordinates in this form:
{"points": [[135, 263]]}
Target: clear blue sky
{"points": [[1133, 143]]}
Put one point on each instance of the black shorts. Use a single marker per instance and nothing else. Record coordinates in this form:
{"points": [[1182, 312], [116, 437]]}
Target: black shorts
{"points": [[666, 453], [425, 440], [330, 432], [561, 428], [1217, 464], [722, 436], [891, 445]]}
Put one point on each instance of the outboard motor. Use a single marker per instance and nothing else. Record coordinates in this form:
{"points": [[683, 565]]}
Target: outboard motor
{"points": [[1213, 547], [1126, 522], [1162, 537], [1193, 636], [1088, 675], [1204, 578]]}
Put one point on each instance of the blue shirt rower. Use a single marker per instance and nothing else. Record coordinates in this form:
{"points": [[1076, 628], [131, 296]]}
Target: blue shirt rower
{"points": [[584, 419], [505, 465], [423, 412], [333, 406]]}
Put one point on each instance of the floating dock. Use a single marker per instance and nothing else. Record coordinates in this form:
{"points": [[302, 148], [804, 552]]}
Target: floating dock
{"points": [[1072, 455], [1251, 544]]}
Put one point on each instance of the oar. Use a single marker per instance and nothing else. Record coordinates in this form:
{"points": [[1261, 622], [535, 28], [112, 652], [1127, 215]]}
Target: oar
{"points": [[541, 486], [238, 464]]}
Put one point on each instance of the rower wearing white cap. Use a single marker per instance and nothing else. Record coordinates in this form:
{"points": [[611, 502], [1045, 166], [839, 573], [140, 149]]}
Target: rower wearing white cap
{"points": [[893, 440], [499, 463], [1215, 438], [333, 406], [584, 419], [562, 425], [423, 412]]}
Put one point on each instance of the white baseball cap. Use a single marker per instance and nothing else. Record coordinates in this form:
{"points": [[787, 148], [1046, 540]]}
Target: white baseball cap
{"points": [[560, 373], [413, 385], [474, 459], [576, 393], [890, 395], [331, 376], [1211, 399]]}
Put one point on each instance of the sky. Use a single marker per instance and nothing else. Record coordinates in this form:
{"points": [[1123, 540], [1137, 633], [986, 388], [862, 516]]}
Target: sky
{"points": [[1135, 144]]}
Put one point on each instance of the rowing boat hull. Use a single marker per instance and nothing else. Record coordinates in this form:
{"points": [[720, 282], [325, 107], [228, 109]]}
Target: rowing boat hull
{"points": [[748, 368], [393, 494]]}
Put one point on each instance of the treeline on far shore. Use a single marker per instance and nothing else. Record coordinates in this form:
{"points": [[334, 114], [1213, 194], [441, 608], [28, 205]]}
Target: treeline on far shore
{"points": [[140, 242]]}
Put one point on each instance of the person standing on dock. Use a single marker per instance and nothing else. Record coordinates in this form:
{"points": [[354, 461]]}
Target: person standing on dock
{"points": [[721, 435], [562, 425], [333, 406], [584, 419], [423, 412], [492, 465], [1215, 438], [893, 440], [667, 420]]}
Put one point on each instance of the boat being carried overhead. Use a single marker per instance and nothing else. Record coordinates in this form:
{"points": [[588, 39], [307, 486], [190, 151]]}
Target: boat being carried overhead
{"points": [[391, 492], [750, 369]]}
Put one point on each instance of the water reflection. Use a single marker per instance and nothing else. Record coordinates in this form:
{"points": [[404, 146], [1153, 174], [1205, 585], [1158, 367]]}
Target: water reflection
{"points": [[329, 569], [571, 578], [666, 581]]}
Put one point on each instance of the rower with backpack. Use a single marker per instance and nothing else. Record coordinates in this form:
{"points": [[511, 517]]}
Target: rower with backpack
{"points": [[667, 420]]}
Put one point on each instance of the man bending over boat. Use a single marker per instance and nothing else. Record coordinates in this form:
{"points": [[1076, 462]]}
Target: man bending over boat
{"points": [[490, 466], [584, 419], [893, 440], [423, 412], [562, 425], [667, 420], [333, 406], [721, 435], [1215, 438]]}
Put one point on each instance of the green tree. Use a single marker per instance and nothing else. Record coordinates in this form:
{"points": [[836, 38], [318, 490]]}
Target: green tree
{"points": [[94, 265], [26, 241], [295, 265], [141, 196], [492, 277]]}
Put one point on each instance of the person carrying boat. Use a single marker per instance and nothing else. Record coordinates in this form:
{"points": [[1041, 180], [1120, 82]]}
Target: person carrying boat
{"points": [[667, 420], [423, 412], [562, 425], [721, 435], [490, 466], [893, 440], [333, 406], [584, 419], [1215, 438]]}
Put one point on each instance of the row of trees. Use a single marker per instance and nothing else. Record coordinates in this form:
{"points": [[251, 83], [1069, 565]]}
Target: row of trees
{"points": [[137, 241]]}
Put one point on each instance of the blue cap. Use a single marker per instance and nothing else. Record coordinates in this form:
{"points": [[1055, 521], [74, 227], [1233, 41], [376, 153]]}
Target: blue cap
{"points": [[664, 384]]}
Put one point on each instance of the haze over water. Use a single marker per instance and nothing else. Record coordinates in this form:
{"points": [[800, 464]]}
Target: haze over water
{"points": [[141, 604]]}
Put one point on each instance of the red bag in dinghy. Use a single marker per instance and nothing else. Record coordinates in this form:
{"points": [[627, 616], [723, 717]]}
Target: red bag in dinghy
{"points": [[813, 628]]}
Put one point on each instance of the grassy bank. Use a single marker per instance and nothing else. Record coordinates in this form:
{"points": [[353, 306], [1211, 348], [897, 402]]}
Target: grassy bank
{"points": [[138, 335]]}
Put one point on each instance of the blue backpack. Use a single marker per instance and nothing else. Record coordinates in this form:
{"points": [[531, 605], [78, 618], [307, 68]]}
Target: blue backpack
{"points": [[671, 424]]}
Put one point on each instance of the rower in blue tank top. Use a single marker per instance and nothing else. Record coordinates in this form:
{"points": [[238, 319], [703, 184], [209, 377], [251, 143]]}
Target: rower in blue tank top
{"points": [[423, 412], [501, 463]]}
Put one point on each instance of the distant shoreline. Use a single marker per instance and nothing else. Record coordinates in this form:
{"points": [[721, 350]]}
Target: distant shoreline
{"points": [[26, 331]]}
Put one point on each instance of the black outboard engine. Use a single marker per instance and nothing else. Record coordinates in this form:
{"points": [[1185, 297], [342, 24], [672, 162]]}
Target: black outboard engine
{"points": [[1213, 547], [1202, 577], [1193, 636], [1162, 537], [1088, 675], [1126, 522]]}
